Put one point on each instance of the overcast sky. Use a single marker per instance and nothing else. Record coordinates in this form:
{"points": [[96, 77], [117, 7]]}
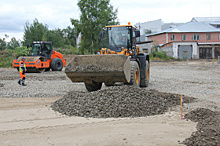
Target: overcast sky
{"points": [[57, 13]]}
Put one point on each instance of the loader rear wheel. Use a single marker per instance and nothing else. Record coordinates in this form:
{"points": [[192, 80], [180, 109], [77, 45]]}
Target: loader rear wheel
{"points": [[56, 64], [145, 82], [135, 74], [93, 87]]}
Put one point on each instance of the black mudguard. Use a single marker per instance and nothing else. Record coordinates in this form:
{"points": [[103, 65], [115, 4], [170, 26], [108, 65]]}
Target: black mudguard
{"points": [[142, 58]]}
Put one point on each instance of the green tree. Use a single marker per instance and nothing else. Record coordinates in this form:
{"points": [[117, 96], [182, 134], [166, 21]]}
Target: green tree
{"points": [[3, 45], [69, 35], [56, 36], [13, 43], [94, 16], [34, 32]]}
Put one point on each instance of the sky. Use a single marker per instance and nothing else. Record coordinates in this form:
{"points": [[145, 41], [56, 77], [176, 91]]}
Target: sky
{"points": [[57, 13]]}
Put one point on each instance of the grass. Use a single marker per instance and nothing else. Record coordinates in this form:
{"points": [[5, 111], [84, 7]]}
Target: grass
{"points": [[160, 56]]}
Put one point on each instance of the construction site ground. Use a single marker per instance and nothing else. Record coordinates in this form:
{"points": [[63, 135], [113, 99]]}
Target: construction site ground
{"points": [[26, 116]]}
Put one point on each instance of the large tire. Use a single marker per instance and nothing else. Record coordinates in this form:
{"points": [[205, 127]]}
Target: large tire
{"points": [[56, 64], [145, 82], [135, 74], [93, 87]]}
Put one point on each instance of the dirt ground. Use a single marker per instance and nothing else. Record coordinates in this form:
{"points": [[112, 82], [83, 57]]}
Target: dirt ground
{"points": [[26, 116]]}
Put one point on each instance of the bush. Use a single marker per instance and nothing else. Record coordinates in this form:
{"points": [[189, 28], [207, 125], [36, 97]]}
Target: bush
{"points": [[68, 49], [7, 56], [160, 56]]}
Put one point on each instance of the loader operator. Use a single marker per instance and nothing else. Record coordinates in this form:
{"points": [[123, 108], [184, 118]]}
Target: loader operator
{"points": [[121, 39], [22, 70]]}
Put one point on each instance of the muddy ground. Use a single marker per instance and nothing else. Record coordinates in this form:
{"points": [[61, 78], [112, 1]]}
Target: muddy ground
{"points": [[27, 118]]}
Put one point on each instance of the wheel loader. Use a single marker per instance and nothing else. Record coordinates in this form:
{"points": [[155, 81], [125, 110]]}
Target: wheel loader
{"points": [[42, 58], [119, 61]]}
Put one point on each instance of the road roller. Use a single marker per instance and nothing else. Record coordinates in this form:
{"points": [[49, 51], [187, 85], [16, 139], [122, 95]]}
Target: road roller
{"points": [[42, 58]]}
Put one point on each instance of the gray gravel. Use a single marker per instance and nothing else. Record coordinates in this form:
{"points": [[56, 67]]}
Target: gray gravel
{"points": [[47, 84], [118, 101], [208, 128], [196, 79]]}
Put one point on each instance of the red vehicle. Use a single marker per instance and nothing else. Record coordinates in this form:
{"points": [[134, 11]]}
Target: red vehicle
{"points": [[42, 58]]}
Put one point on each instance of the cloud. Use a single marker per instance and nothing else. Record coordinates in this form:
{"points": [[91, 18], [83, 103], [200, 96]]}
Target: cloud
{"points": [[169, 10], [56, 13]]}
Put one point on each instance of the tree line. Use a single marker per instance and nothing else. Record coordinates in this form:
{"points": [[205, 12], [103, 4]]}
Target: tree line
{"points": [[61, 38], [94, 16]]}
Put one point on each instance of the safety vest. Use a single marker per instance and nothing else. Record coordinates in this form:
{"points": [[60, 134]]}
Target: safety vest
{"points": [[22, 66]]}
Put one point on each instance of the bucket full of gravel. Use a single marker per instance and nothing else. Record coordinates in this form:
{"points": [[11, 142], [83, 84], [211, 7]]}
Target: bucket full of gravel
{"points": [[117, 101]]}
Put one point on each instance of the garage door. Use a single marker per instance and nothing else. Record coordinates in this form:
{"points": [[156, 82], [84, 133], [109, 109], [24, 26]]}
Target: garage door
{"points": [[185, 51], [217, 52], [205, 53]]}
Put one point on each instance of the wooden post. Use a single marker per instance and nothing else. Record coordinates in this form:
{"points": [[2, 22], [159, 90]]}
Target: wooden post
{"points": [[181, 105]]}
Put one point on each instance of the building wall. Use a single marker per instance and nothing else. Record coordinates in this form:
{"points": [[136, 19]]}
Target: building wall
{"points": [[195, 50], [154, 26], [166, 37], [160, 39]]}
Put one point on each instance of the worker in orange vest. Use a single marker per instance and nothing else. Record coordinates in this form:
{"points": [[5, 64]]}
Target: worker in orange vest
{"points": [[22, 70]]}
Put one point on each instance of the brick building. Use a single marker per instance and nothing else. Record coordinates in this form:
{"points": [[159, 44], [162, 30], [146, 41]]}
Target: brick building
{"points": [[192, 40]]}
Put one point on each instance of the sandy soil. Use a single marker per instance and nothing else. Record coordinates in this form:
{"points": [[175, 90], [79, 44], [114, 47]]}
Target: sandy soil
{"points": [[29, 120]]}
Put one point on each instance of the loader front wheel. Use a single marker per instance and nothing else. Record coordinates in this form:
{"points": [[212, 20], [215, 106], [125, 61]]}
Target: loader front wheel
{"points": [[135, 74], [93, 87]]}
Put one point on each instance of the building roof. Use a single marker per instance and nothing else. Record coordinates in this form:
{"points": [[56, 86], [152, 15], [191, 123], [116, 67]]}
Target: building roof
{"points": [[189, 27], [206, 19]]}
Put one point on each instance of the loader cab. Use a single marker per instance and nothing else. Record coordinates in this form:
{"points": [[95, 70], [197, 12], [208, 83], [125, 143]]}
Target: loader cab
{"points": [[120, 36], [42, 49]]}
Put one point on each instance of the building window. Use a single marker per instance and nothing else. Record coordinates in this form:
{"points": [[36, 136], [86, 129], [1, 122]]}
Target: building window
{"points": [[183, 37], [219, 36], [196, 37], [208, 36], [172, 37]]}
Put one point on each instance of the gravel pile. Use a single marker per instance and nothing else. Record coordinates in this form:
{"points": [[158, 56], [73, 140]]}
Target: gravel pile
{"points": [[208, 128], [117, 101]]}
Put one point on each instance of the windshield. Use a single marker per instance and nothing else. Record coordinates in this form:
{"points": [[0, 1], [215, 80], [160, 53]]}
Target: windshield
{"points": [[119, 37], [43, 49], [35, 50]]}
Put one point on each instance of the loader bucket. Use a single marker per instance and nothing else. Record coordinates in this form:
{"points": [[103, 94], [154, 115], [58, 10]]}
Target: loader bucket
{"points": [[99, 68]]}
